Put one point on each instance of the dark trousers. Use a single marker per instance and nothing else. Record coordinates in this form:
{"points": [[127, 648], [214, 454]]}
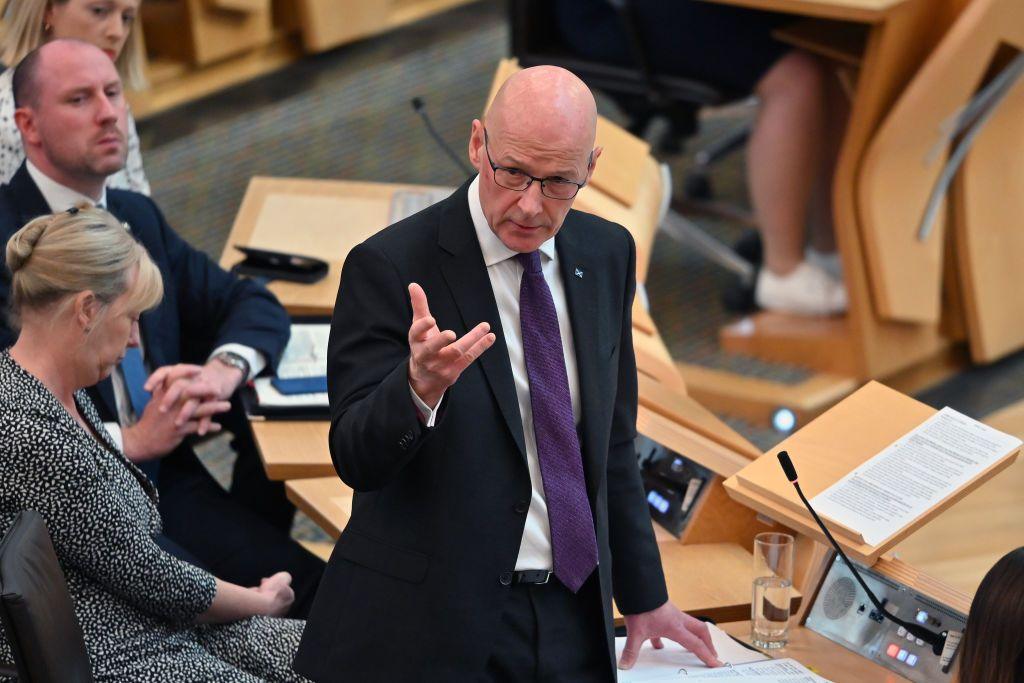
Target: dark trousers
{"points": [[249, 483], [229, 539], [550, 635]]}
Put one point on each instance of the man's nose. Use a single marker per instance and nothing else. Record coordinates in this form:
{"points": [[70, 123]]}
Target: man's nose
{"points": [[108, 109], [532, 200]]}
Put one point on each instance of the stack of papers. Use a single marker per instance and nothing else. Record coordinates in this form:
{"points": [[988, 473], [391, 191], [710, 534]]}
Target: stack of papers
{"points": [[741, 665]]}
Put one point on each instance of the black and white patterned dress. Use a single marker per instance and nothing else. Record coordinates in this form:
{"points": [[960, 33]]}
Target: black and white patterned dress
{"points": [[137, 604]]}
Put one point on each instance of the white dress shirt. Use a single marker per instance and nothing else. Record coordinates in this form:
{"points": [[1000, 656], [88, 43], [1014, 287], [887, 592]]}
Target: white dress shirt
{"points": [[61, 198], [505, 274]]}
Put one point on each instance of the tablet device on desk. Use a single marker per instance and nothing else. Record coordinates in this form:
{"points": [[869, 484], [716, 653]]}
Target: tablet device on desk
{"points": [[299, 391]]}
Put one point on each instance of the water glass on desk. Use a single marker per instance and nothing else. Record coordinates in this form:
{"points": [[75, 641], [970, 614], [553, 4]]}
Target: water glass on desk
{"points": [[773, 581]]}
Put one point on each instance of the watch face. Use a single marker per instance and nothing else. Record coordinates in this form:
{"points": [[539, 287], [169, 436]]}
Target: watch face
{"points": [[234, 360]]}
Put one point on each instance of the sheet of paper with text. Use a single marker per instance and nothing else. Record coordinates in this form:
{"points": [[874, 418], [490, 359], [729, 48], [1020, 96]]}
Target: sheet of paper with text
{"points": [[913, 474]]}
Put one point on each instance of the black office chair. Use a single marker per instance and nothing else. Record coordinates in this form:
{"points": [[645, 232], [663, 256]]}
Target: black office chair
{"points": [[36, 609], [643, 95]]}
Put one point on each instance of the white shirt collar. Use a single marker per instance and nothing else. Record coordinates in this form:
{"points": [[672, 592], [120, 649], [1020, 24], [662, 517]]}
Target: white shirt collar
{"points": [[493, 248], [57, 196]]}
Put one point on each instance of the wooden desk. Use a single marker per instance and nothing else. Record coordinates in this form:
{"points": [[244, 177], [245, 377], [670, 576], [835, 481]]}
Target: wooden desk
{"points": [[326, 500], [322, 218], [901, 35], [826, 658], [711, 579], [294, 449], [327, 218]]}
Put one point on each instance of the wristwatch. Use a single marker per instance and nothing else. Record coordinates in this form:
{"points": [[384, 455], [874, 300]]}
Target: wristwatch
{"points": [[234, 360]]}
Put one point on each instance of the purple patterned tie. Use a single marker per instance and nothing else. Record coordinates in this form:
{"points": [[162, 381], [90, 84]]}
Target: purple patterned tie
{"points": [[573, 543]]}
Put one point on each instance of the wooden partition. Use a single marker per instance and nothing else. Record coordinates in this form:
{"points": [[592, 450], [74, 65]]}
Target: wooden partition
{"points": [[201, 32], [329, 23], [907, 155], [863, 344]]}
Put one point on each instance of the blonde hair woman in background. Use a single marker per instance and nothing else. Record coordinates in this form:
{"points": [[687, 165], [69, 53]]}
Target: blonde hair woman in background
{"points": [[79, 283], [107, 24]]}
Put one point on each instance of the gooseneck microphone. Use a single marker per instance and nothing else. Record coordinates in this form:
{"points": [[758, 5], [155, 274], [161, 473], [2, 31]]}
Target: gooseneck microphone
{"points": [[420, 107], [936, 640]]}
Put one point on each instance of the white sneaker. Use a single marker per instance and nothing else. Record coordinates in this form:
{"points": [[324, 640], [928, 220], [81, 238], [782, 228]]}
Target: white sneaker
{"points": [[807, 290], [828, 261]]}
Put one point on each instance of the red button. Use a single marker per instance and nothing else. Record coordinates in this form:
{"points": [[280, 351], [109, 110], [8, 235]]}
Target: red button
{"points": [[892, 650]]}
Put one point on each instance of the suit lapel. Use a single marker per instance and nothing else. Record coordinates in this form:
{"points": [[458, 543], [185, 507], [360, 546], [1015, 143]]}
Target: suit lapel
{"points": [[581, 292], [462, 265], [27, 197]]}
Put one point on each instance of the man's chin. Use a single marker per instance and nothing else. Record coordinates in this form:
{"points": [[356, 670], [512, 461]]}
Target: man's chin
{"points": [[107, 167], [525, 240]]}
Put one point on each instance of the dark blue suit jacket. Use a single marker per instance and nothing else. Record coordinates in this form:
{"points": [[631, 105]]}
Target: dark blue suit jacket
{"points": [[203, 307]]}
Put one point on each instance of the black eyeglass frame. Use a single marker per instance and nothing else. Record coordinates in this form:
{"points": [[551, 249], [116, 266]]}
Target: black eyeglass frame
{"points": [[543, 181]]}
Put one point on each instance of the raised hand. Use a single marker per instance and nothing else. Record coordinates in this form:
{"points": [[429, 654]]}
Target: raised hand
{"points": [[437, 358]]}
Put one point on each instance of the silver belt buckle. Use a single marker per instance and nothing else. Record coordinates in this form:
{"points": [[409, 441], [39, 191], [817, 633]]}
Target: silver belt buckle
{"points": [[547, 577]]}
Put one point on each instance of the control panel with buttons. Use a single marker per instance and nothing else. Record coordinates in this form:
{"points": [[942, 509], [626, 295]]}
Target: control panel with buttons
{"points": [[843, 613], [673, 483]]}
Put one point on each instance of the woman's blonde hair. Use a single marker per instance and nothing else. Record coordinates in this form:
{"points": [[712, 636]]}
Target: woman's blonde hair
{"points": [[24, 32], [82, 249]]}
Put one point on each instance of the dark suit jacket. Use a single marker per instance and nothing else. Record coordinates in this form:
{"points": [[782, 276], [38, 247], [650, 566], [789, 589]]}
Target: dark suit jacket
{"points": [[412, 591], [203, 307]]}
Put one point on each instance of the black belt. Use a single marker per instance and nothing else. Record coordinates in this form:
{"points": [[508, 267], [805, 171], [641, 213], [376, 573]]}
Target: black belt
{"points": [[532, 577]]}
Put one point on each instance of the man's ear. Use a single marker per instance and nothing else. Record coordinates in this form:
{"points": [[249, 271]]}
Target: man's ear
{"points": [[25, 119], [87, 310], [593, 162], [476, 145]]}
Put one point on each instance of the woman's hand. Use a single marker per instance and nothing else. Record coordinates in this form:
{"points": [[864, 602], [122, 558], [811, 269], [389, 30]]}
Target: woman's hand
{"points": [[277, 591]]}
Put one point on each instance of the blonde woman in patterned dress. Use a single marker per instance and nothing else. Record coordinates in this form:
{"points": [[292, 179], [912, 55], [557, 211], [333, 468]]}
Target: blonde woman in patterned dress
{"points": [[108, 25], [79, 283]]}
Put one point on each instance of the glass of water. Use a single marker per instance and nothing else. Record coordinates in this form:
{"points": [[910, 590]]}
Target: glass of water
{"points": [[773, 580]]}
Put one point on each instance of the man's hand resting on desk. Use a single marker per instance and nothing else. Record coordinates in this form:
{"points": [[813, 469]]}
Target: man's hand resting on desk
{"points": [[669, 622], [437, 358], [159, 431]]}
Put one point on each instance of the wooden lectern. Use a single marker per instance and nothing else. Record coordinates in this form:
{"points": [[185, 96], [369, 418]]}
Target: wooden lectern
{"points": [[829, 448], [838, 629]]}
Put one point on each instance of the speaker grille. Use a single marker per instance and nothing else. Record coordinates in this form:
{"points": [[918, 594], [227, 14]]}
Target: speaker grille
{"points": [[839, 597]]}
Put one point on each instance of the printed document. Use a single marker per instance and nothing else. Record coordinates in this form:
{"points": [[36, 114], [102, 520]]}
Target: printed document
{"points": [[741, 664], [912, 475]]}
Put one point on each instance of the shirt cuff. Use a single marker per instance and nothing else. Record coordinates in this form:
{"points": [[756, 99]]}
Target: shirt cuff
{"points": [[257, 361], [427, 414], [116, 435]]}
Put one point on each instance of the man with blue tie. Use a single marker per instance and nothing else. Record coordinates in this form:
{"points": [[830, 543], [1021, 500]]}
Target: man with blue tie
{"points": [[483, 402], [211, 332]]}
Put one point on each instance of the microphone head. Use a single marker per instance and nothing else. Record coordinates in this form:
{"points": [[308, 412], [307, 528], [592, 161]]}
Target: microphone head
{"points": [[787, 466], [417, 103]]}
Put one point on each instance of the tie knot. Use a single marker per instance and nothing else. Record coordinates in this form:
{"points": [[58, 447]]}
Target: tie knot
{"points": [[530, 261]]}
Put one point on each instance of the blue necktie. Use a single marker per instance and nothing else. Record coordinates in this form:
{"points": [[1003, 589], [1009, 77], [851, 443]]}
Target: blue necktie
{"points": [[573, 541], [135, 380]]}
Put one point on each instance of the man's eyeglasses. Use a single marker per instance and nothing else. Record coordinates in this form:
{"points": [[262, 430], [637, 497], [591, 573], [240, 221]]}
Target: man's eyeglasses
{"points": [[518, 180]]}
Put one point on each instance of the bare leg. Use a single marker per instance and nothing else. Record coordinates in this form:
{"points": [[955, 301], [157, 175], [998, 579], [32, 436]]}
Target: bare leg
{"points": [[837, 111], [787, 149], [784, 155]]}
